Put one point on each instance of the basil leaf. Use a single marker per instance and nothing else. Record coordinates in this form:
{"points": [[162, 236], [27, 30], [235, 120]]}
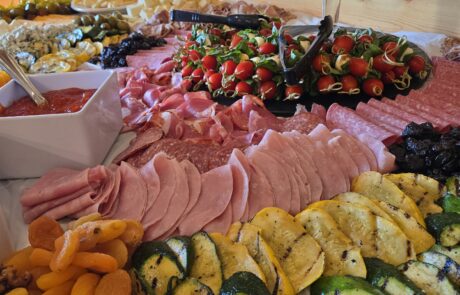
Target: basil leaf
{"points": [[371, 51], [269, 64]]}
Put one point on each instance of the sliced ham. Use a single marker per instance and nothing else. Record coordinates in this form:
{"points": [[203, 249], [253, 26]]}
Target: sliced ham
{"points": [[385, 159], [152, 180], [276, 176], [241, 178], [142, 141], [355, 151], [132, 197], [222, 223], [216, 193], [261, 194], [176, 208], [166, 172], [346, 119], [108, 208]]}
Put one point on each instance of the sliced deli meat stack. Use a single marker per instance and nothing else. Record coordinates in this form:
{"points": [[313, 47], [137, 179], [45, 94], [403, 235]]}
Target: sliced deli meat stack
{"points": [[346, 119], [401, 113], [381, 118], [241, 177], [356, 151], [216, 189]]}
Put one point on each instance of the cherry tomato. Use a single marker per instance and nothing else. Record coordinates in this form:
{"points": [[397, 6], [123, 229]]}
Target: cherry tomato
{"points": [[268, 90], [416, 64], [342, 44], [252, 47], [243, 88], [265, 32], [184, 61], [388, 77], [236, 39], [288, 38], [277, 24], [267, 48], [358, 67], [215, 81], [189, 44], [264, 74], [324, 83], [312, 38], [244, 70], [208, 74], [216, 31], [194, 55], [400, 71], [189, 36], [373, 87], [209, 62], [365, 39], [381, 65], [228, 67], [197, 75], [390, 47], [292, 90], [321, 62], [349, 83], [229, 86], [187, 71]]}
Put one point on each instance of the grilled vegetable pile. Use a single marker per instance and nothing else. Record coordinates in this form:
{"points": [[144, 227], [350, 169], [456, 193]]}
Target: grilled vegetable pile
{"points": [[31, 8], [372, 240], [425, 150]]}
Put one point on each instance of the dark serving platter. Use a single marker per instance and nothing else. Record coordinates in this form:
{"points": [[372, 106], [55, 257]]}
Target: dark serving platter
{"points": [[288, 108]]}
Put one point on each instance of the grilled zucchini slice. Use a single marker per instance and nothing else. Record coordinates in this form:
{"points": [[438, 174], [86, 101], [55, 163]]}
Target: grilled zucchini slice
{"points": [[207, 267], [420, 188], [358, 199], [374, 185], [389, 279], [450, 203], [341, 256], [445, 227], [428, 277], [182, 247], [244, 283], [156, 264], [298, 253], [235, 257], [452, 252], [191, 286], [250, 236], [346, 285], [444, 263], [453, 185]]}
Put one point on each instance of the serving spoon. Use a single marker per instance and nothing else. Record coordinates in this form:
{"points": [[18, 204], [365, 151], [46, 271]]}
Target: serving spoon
{"points": [[11, 66]]}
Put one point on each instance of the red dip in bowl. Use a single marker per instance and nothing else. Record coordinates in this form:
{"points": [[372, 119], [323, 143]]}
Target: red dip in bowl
{"points": [[70, 100]]}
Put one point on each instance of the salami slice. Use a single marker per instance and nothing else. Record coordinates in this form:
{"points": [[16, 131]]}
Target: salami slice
{"points": [[400, 113], [380, 118], [439, 101], [346, 119]]}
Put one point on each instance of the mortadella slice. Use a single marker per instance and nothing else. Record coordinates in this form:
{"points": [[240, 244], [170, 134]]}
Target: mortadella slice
{"points": [[216, 193]]}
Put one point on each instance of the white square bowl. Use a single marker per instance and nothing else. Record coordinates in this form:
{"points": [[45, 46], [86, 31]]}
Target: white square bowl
{"points": [[31, 145]]}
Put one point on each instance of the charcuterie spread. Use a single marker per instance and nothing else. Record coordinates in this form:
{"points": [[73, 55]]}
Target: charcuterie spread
{"points": [[357, 191]]}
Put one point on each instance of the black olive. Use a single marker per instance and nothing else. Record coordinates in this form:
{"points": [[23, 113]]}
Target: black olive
{"points": [[398, 151], [414, 163], [442, 158], [450, 166], [455, 133]]}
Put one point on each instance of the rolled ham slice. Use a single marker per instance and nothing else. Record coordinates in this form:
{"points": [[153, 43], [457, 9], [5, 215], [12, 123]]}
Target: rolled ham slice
{"points": [[346, 119], [216, 193]]}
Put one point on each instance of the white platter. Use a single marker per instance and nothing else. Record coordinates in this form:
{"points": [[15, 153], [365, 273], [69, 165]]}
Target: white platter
{"points": [[85, 9]]}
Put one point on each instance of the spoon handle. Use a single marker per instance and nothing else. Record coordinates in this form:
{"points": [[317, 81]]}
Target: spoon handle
{"points": [[17, 73]]}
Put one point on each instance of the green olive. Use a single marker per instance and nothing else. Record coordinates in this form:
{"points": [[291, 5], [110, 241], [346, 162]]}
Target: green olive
{"points": [[117, 15], [99, 19], [105, 26], [112, 20], [16, 12], [52, 7], [122, 25]]}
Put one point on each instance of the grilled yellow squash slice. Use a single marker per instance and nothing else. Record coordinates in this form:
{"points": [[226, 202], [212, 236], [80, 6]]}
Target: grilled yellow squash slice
{"points": [[235, 257], [376, 236], [358, 199], [298, 253], [422, 189], [342, 257], [374, 185], [250, 235]]}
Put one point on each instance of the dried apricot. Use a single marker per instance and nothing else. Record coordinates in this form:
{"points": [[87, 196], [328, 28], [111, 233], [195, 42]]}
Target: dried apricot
{"points": [[40, 257], [37, 272], [20, 259], [133, 233], [18, 291], [115, 283], [86, 284], [54, 279], [65, 288], [115, 248], [84, 219], [43, 231], [98, 262], [99, 231], [66, 248]]}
